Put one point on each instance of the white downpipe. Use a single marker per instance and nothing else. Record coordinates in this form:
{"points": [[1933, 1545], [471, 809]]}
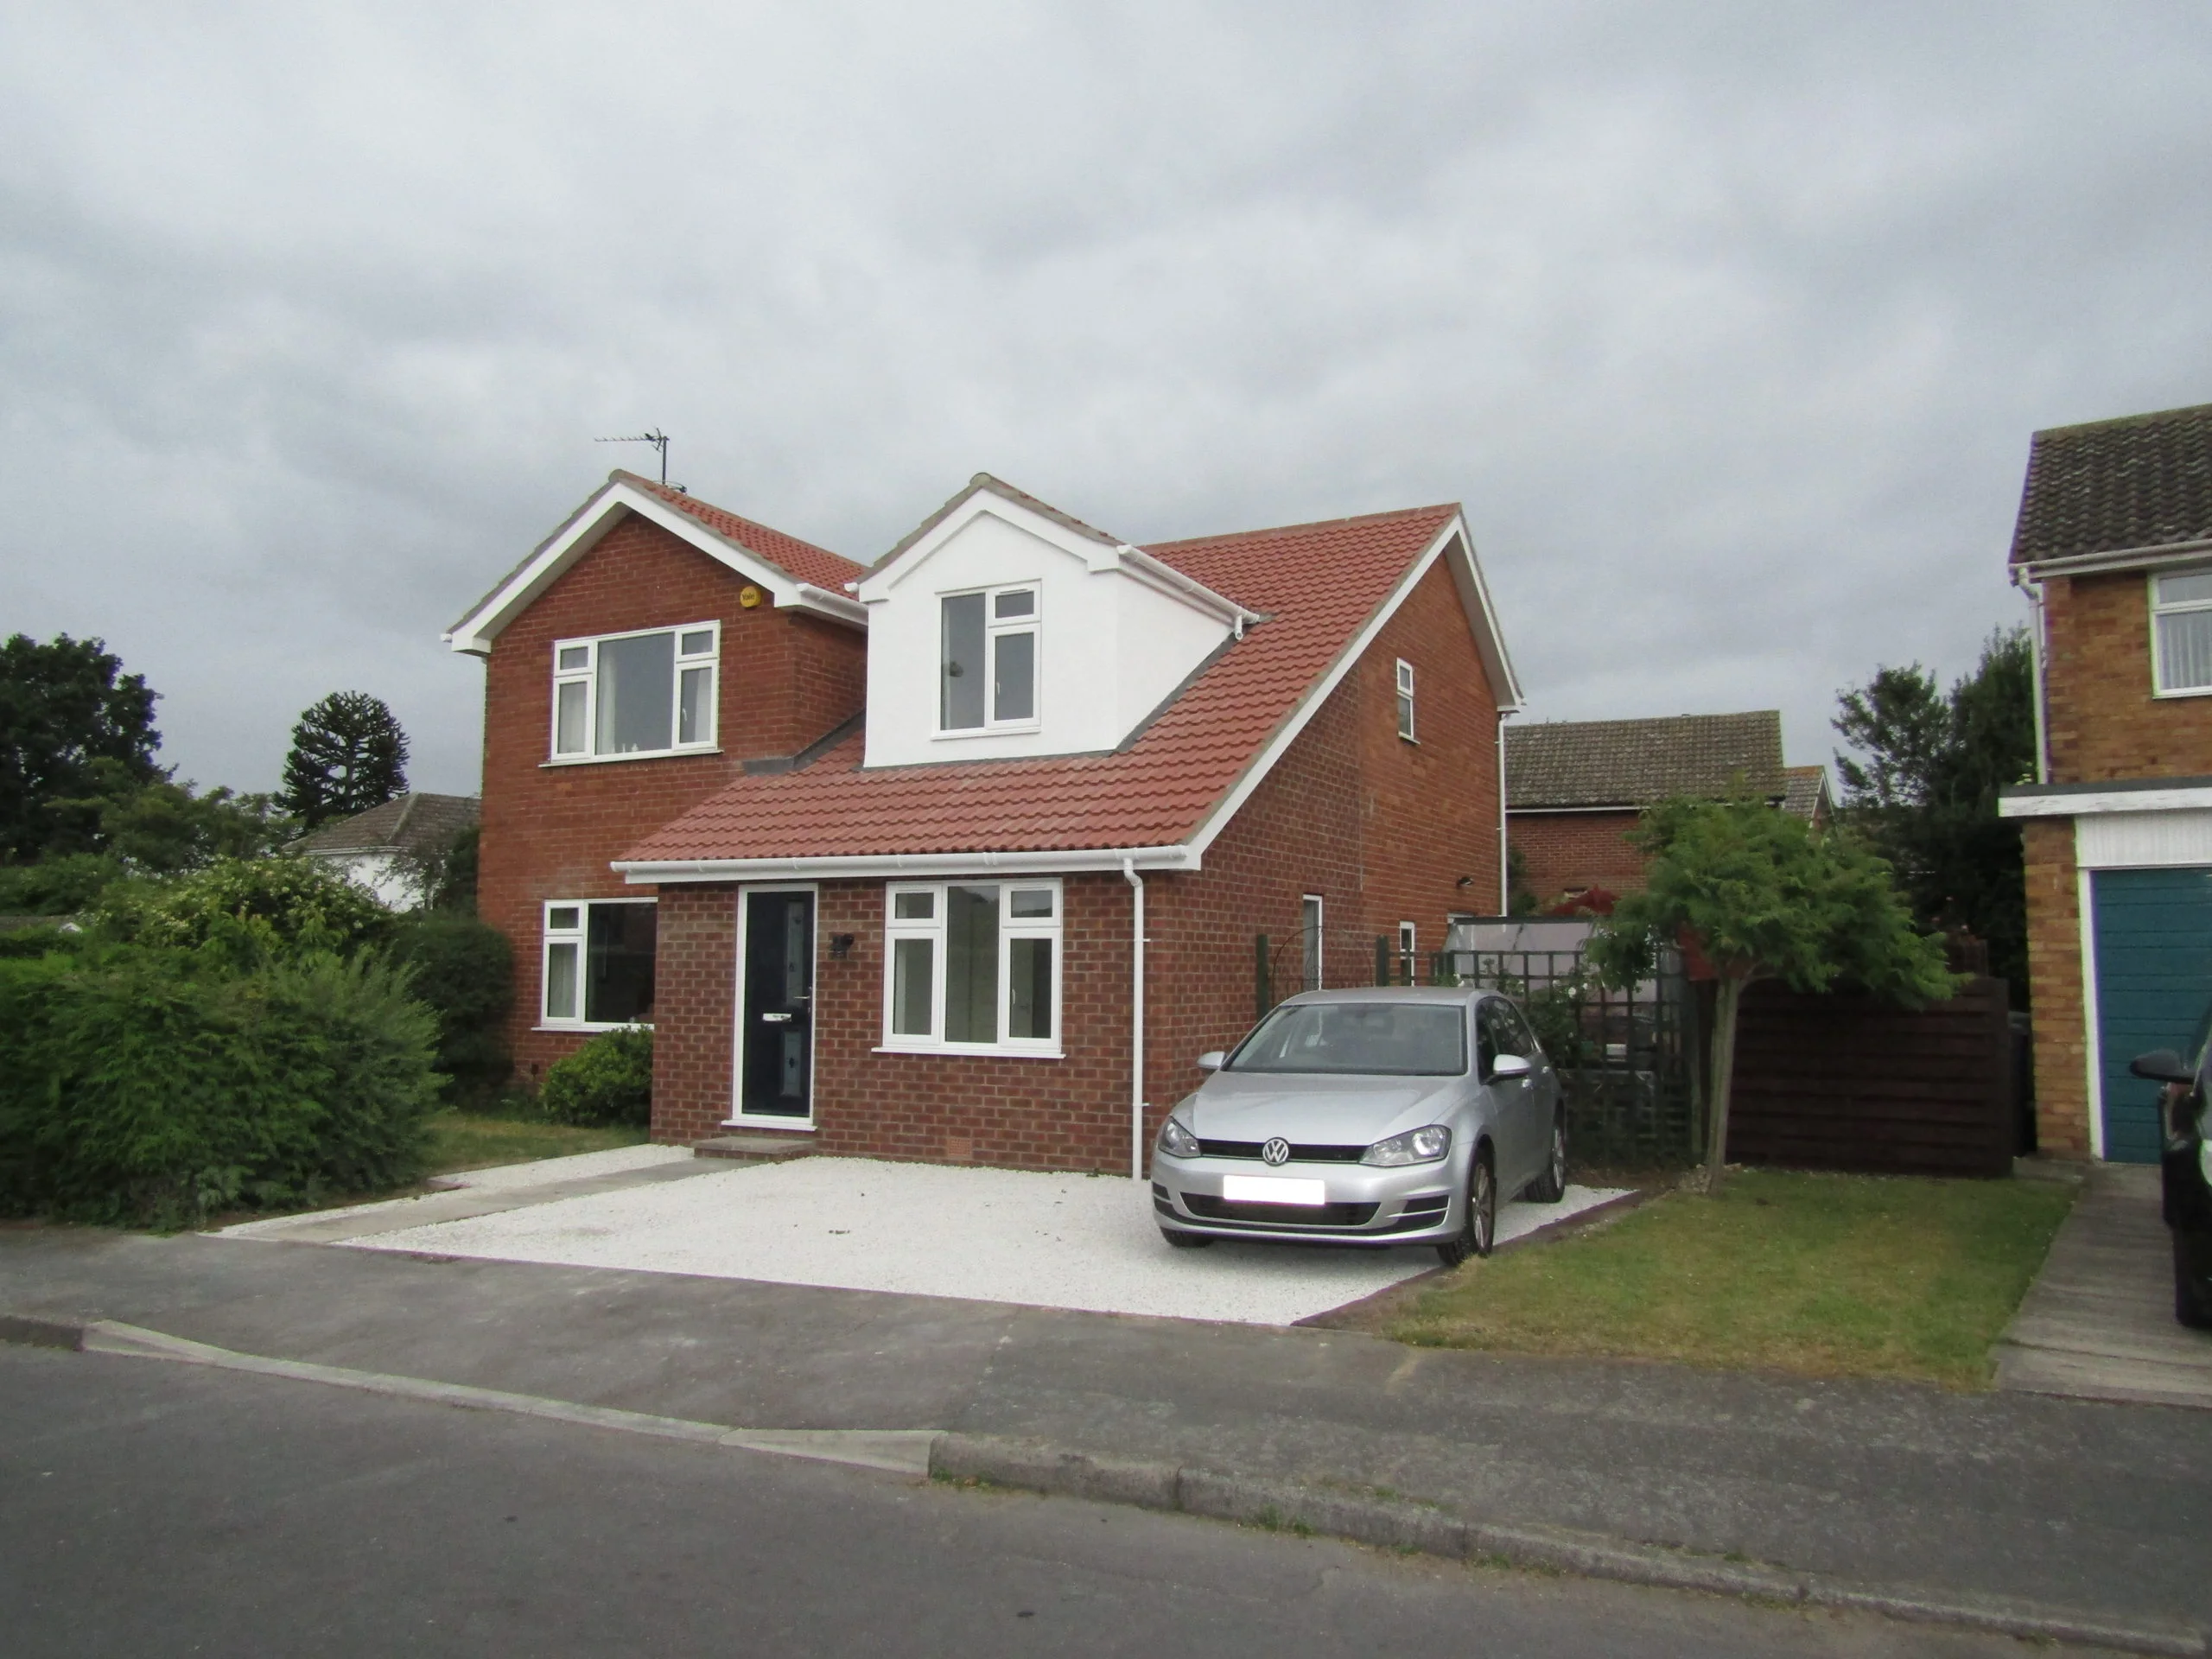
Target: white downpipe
{"points": [[1136, 1020], [2033, 589], [1504, 845]]}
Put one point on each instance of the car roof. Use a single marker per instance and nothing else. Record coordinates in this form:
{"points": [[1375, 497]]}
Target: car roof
{"points": [[1394, 993]]}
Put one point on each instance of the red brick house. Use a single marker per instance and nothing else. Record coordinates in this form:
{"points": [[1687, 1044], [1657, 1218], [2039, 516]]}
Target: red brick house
{"points": [[2113, 549], [1575, 789], [962, 855]]}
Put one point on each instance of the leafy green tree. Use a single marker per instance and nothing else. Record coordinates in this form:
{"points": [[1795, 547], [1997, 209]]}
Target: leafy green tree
{"points": [[1763, 897], [1922, 788], [167, 827], [65, 706], [348, 754]]}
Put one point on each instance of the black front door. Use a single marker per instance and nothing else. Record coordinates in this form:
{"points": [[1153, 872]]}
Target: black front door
{"points": [[777, 1028]]}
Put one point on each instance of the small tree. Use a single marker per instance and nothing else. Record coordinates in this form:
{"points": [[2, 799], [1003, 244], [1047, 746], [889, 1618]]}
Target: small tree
{"points": [[1763, 898], [348, 754], [66, 707]]}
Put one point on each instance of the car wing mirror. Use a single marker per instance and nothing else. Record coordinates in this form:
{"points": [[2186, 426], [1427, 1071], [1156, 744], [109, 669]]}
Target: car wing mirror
{"points": [[1212, 1060], [1509, 1065], [2161, 1066]]}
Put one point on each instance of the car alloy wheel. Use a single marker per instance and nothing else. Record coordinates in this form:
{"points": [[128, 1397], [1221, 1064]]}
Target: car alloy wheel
{"points": [[1551, 1186], [1475, 1236]]}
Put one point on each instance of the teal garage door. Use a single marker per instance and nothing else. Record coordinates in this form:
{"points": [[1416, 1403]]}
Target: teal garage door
{"points": [[2154, 976]]}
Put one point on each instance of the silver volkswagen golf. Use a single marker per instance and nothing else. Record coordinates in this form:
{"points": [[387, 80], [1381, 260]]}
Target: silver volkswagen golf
{"points": [[1384, 1117]]}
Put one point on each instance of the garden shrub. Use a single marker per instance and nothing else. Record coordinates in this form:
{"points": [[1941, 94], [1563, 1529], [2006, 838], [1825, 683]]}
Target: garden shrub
{"points": [[464, 970], [149, 1086], [61, 885], [609, 1081], [249, 908]]}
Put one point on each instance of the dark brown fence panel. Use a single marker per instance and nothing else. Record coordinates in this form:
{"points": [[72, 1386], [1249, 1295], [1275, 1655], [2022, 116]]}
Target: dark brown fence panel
{"points": [[1844, 1081]]}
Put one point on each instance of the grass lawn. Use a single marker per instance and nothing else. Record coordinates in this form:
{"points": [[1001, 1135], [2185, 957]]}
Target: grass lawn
{"points": [[465, 1140], [1828, 1275]]}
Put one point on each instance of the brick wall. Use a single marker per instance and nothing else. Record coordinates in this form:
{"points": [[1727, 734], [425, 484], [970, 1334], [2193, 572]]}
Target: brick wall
{"points": [[1430, 806], [2103, 721], [1564, 850], [2055, 975], [551, 831]]}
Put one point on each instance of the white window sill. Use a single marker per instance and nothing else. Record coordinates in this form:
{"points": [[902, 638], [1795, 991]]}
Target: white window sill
{"points": [[965, 1051], [2186, 691], [581, 1028], [789, 1125], [1404, 738], [1015, 729], [639, 755]]}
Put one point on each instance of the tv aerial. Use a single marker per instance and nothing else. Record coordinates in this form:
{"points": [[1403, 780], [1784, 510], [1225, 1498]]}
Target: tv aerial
{"points": [[657, 438]]}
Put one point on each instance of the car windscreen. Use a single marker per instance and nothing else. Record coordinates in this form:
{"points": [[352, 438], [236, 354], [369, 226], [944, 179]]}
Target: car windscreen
{"points": [[1392, 1039]]}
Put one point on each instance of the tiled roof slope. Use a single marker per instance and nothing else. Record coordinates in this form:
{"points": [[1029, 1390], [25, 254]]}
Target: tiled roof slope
{"points": [[1804, 790], [412, 823], [803, 560], [1318, 584], [1636, 762], [2115, 486]]}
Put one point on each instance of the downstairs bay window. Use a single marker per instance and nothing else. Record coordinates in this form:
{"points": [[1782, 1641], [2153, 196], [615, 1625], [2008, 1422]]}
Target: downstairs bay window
{"points": [[972, 966], [598, 963]]}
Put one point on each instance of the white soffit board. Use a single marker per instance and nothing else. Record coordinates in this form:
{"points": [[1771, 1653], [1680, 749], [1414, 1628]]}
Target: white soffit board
{"points": [[2089, 802], [2143, 840]]}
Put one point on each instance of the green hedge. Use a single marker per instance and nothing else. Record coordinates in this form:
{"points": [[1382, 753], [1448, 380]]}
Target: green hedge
{"points": [[248, 910], [146, 1085], [464, 970], [609, 1081]]}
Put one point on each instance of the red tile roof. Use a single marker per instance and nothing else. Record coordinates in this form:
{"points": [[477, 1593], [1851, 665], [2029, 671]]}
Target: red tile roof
{"points": [[796, 558], [1317, 585]]}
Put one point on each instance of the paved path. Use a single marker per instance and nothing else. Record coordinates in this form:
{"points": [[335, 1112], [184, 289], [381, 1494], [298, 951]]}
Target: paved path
{"points": [[2099, 1324]]}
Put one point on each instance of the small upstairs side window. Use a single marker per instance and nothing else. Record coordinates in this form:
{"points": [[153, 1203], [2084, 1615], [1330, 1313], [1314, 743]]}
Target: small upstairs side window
{"points": [[1405, 700], [2181, 631], [635, 694], [987, 660]]}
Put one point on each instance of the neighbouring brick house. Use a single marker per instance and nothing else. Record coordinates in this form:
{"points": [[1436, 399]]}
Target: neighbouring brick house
{"points": [[962, 855], [1575, 789], [2113, 549]]}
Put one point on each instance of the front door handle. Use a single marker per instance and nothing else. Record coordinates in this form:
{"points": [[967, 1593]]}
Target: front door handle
{"points": [[779, 1018]]}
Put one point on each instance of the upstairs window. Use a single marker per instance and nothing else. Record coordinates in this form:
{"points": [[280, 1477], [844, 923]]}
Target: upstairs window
{"points": [[973, 965], [2180, 651], [987, 660], [1405, 700], [635, 694]]}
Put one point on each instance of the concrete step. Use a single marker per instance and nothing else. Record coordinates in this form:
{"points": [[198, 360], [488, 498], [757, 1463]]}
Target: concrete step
{"points": [[769, 1149]]}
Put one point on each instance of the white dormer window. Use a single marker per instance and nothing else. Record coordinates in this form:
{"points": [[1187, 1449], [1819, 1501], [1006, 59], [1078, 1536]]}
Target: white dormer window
{"points": [[1406, 699], [987, 660], [623, 696]]}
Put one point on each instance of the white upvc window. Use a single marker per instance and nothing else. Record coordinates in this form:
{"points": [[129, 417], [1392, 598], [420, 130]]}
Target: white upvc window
{"points": [[623, 696], [2181, 631], [973, 967], [597, 963], [1406, 699], [988, 658], [1312, 967], [1409, 951]]}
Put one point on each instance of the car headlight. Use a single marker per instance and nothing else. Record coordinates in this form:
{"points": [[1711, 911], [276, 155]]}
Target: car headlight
{"points": [[1177, 1142], [1422, 1146]]}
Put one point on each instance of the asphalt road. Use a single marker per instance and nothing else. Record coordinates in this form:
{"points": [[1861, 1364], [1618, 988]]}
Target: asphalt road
{"points": [[151, 1509]]}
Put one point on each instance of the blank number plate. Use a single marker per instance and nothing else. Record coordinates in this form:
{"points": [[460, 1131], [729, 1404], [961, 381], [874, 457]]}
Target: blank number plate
{"points": [[1269, 1189]]}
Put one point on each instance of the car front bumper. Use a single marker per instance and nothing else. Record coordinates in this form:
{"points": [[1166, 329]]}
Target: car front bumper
{"points": [[1418, 1204]]}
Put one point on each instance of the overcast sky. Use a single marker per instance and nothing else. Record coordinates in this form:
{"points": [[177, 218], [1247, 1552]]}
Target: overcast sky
{"points": [[1728, 324]]}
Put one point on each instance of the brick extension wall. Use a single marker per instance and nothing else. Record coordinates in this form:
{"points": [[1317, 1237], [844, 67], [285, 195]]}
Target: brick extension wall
{"points": [[2055, 974], [1343, 814], [550, 832], [1562, 851]]}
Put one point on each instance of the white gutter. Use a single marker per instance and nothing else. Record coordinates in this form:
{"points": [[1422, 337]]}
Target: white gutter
{"points": [[664, 872], [2117, 558], [1136, 1020], [2032, 587]]}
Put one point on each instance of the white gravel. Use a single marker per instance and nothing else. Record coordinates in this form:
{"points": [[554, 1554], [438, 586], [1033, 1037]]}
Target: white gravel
{"points": [[984, 1235]]}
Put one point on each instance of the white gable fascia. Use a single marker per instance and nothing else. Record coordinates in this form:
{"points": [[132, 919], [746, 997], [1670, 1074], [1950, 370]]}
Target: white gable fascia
{"points": [[1474, 594], [1099, 555], [601, 514]]}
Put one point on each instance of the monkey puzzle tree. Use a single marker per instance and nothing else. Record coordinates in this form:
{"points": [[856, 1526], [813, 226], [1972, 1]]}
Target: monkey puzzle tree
{"points": [[348, 754]]}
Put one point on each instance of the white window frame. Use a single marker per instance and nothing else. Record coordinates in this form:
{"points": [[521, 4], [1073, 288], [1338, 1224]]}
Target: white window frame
{"points": [[1313, 942], [2159, 608], [578, 936], [993, 631], [1408, 950], [587, 675], [1011, 927], [1405, 676]]}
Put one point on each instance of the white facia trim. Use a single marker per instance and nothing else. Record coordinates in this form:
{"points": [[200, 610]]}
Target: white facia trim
{"points": [[2125, 558], [475, 632], [1085, 861], [2087, 803]]}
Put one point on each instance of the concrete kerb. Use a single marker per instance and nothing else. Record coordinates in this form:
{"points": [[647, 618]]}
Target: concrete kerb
{"points": [[1382, 1521]]}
